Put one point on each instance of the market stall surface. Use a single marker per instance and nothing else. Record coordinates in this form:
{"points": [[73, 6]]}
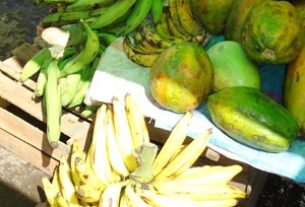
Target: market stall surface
{"points": [[20, 182]]}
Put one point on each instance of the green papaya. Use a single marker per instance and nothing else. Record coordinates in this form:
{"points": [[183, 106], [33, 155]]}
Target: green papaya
{"points": [[181, 77], [294, 96], [237, 18], [212, 13], [231, 66], [249, 116], [272, 32]]}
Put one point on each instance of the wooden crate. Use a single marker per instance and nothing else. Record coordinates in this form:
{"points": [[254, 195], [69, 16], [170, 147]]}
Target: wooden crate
{"points": [[22, 124], [22, 129]]}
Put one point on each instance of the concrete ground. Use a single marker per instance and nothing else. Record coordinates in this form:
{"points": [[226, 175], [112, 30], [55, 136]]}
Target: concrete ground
{"points": [[20, 182]]}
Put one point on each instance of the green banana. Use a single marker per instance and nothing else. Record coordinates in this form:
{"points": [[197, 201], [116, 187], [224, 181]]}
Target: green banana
{"points": [[98, 11], [87, 54], [83, 86], [77, 34], [107, 38], [156, 10], [34, 64], [63, 18], [74, 16], [88, 4], [88, 111], [42, 79], [53, 1], [69, 87], [137, 16], [53, 104], [113, 12], [51, 18], [84, 83]]}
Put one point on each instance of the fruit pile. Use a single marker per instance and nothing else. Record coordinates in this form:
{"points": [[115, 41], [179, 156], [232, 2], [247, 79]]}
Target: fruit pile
{"points": [[256, 33], [123, 168], [169, 38]]}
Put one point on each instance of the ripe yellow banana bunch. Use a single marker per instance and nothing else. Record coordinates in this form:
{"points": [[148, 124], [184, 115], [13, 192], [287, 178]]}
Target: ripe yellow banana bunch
{"points": [[123, 168]]}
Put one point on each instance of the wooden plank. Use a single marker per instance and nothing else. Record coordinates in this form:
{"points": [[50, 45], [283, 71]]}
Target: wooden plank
{"points": [[25, 52], [29, 134], [20, 96], [28, 153]]}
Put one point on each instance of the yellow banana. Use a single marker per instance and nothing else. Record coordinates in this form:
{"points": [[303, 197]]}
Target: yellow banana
{"points": [[34, 64], [97, 154], [111, 195], [61, 201], [133, 198], [187, 19], [199, 191], [185, 158], [53, 104], [155, 199], [123, 201], [137, 55], [209, 174], [67, 187], [88, 194], [137, 124], [77, 156], [51, 190], [172, 144], [86, 176], [115, 156], [123, 134]]}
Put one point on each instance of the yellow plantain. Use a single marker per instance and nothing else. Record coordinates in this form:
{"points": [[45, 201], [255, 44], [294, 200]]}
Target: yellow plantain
{"points": [[137, 56], [187, 19], [172, 144], [186, 158]]}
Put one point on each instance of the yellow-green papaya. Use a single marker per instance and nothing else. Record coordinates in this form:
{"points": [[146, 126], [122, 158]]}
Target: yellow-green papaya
{"points": [[273, 32], [237, 17], [181, 77], [252, 118]]}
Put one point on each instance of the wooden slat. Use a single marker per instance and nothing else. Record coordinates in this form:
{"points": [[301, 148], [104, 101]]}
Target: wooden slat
{"points": [[29, 134], [28, 153], [20, 96]]}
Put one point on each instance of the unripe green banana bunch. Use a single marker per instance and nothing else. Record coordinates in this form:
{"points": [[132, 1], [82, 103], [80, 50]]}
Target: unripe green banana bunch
{"points": [[120, 17], [123, 168], [64, 75]]}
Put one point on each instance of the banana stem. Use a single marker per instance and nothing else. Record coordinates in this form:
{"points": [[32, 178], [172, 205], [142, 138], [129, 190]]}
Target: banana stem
{"points": [[146, 157]]}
